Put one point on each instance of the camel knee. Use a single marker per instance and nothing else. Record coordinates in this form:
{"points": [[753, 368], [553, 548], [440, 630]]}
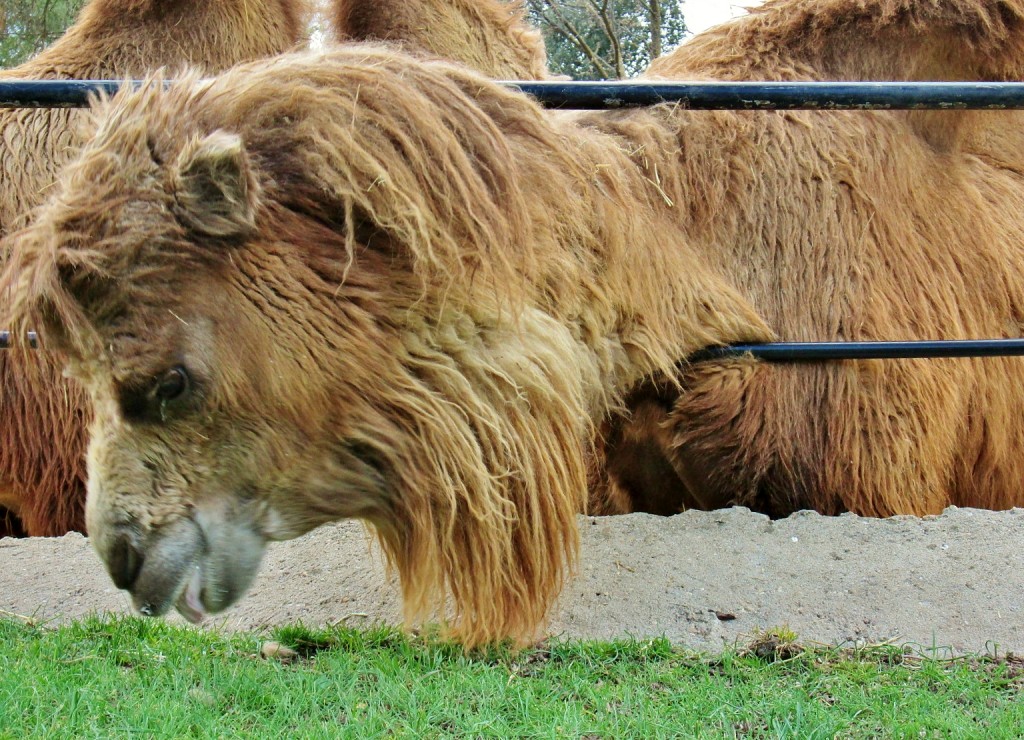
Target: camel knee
{"points": [[716, 439], [10, 498], [646, 466]]}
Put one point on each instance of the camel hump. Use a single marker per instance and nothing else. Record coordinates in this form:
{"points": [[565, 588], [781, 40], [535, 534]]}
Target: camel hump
{"points": [[491, 36], [860, 40], [876, 40], [115, 38]]}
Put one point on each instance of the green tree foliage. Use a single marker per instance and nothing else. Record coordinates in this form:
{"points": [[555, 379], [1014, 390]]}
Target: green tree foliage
{"points": [[606, 39], [29, 26]]}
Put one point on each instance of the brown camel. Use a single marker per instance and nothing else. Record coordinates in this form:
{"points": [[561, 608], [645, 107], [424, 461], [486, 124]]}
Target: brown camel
{"points": [[725, 433], [486, 35]]}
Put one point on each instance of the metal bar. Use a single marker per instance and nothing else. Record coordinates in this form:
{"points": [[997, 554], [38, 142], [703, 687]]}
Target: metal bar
{"points": [[780, 95], [5, 339], [53, 93], [819, 351], [631, 94]]}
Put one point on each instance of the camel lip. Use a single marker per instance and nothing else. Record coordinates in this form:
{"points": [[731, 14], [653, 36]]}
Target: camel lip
{"points": [[190, 603], [168, 560], [202, 582], [234, 544]]}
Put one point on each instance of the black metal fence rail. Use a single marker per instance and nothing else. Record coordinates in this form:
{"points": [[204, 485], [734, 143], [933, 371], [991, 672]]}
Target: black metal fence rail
{"points": [[820, 351], [780, 95], [696, 96], [635, 94]]}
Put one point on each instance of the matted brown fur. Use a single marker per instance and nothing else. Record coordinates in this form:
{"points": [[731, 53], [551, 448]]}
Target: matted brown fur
{"points": [[489, 36], [406, 294], [114, 39], [42, 415]]}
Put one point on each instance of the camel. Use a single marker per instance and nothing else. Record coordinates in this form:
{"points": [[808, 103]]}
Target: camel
{"points": [[366, 284], [42, 460], [42, 472], [657, 452]]}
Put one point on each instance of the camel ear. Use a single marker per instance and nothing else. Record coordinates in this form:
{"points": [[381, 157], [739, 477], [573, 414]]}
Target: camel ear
{"points": [[215, 187]]}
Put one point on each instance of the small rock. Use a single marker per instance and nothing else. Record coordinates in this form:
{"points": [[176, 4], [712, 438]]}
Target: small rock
{"points": [[277, 651]]}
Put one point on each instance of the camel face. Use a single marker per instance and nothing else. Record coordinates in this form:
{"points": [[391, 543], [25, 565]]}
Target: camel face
{"points": [[171, 510], [193, 470], [207, 440]]}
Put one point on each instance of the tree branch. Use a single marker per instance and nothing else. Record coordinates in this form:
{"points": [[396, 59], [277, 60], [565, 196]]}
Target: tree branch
{"points": [[607, 21], [563, 25]]}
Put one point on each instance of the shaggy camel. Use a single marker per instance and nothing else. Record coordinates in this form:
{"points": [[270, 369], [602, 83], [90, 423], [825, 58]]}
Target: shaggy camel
{"points": [[42, 464], [907, 437], [42, 444], [366, 285]]}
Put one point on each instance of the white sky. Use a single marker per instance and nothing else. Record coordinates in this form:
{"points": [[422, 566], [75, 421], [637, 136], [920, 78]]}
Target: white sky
{"points": [[702, 14]]}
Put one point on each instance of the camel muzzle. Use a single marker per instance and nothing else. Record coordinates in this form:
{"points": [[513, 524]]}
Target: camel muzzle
{"points": [[156, 575]]}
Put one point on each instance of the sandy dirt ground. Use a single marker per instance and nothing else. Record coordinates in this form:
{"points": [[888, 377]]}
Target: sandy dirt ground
{"points": [[702, 579]]}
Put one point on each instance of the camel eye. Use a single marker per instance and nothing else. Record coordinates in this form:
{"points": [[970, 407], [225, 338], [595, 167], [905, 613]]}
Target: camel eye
{"points": [[172, 385]]}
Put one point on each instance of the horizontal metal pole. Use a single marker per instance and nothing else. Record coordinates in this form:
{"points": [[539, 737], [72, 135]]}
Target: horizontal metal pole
{"points": [[821, 351], [53, 93], [780, 95], [631, 94]]}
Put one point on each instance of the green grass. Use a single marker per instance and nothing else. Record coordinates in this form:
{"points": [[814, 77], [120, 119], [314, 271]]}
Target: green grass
{"points": [[130, 677]]}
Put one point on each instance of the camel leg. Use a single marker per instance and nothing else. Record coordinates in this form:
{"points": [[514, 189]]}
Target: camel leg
{"points": [[9, 498], [642, 466], [10, 511], [637, 469], [717, 440]]}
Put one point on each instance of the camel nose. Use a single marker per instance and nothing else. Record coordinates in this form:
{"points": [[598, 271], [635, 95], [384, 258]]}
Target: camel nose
{"points": [[124, 561]]}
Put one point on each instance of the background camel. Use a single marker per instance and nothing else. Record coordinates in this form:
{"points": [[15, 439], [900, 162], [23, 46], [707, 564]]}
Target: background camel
{"points": [[452, 291], [42, 415], [123, 38], [878, 238]]}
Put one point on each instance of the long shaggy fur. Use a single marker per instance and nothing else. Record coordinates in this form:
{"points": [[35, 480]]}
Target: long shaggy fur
{"points": [[469, 305], [42, 415]]}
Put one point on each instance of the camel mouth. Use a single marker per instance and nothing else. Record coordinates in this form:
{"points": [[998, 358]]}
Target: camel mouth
{"points": [[199, 565]]}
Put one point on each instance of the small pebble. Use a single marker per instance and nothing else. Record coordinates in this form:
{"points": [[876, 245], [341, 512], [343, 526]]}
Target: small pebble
{"points": [[276, 650]]}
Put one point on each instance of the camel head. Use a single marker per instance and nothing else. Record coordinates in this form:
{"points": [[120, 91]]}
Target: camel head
{"points": [[264, 352], [185, 530]]}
